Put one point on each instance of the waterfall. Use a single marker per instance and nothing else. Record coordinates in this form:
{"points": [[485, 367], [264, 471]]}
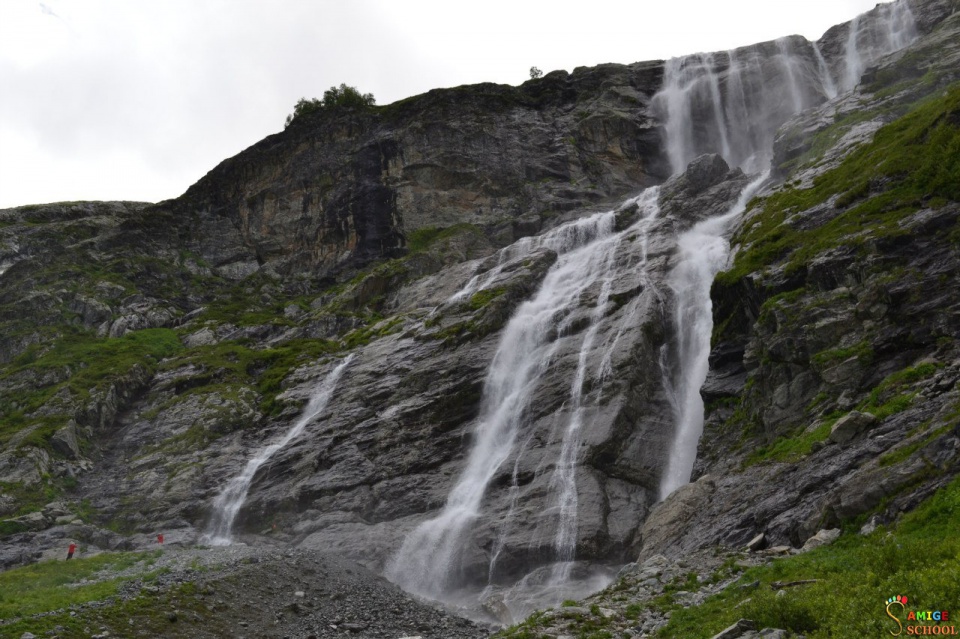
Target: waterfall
{"points": [[732, 103], [826, 77], [564, 477], [429, 559], [789, 64], [754, 117], [227, 504], [649, 210], [703, 251], [889, 28], [852, 61]]}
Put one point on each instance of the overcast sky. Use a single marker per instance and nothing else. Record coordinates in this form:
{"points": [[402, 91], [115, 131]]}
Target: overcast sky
{"points": [[137, 99]]}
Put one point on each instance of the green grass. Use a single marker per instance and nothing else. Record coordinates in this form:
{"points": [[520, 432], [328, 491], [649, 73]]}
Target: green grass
{"points": [[367, 334], [481, 298], [903, 453], [910, 163], [862, 351], [144, 615], [51, 585], [890, 397], [790, 448], [919, 558]]}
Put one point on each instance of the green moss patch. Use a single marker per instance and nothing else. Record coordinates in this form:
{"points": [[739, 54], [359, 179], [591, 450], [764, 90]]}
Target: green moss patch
{"points": [[792, 448]]}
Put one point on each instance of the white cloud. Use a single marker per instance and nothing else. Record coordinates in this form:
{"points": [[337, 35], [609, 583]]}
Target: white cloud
{"points": [[108, 99]]}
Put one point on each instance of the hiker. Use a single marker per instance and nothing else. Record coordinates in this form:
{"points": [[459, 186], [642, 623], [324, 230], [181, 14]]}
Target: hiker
{"points": [[160, 539], [72, 549]]}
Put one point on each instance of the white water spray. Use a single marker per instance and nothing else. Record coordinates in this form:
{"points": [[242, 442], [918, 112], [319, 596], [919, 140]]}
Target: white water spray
{"points": [[889, 28], [826, 77], [852, 62], [227, 504]]}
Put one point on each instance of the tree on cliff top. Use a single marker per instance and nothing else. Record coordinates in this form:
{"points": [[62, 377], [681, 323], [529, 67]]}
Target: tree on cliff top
{"points": [[342, 97]]}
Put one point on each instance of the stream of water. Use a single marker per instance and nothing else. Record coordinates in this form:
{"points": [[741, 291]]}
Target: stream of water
{"points": [[227, 504]]}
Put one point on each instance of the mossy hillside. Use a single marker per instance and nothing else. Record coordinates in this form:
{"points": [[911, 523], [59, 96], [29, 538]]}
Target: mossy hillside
{"points": [[889, 92], [918, 557], [894, 394], [78, 365], [427, 238], [28, 499], [69, 364], [238, 363], [911, 163], [52, 585], [792, 447]]}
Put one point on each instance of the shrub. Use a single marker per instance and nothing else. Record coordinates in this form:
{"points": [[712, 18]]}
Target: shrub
{"points": [[342, 97]]}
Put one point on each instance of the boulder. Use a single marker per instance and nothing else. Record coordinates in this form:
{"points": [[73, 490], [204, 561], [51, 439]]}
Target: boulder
{"points": [[737, 630], [851, 425], [704, 172], [64, 441], [822, 538], [756, 543], [672, 515]]}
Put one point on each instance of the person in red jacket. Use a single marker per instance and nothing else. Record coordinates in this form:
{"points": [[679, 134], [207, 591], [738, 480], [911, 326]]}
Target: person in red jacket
{"points": [[72, 549], [160, 539]]}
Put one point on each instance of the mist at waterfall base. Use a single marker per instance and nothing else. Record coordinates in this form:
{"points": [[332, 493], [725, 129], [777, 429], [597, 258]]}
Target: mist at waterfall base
{"points": [[731, 103], [227, 504]]}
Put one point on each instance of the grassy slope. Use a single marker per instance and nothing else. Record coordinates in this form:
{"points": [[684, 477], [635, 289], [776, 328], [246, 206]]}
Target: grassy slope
{"points": [[918, 558]]}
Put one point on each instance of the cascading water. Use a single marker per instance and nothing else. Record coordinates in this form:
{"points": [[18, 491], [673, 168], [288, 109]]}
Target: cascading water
{"points": [[427, 562], [703, 251], [227, 504], [750, 126], [826, 77], [561, 239], [870, 37], [852, 61], [564, 477], [732, 103]]}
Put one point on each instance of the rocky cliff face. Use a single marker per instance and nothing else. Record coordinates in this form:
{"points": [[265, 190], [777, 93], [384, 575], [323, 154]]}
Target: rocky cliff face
{"points": [[149, 350], [353, 186]]}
